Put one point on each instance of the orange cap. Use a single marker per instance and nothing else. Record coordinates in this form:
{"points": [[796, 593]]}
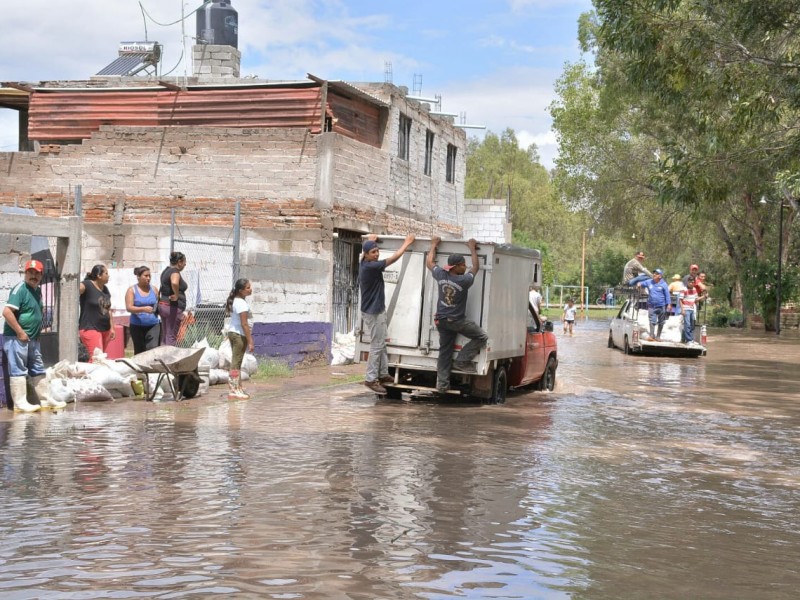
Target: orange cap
{"points": [[35, 265]]}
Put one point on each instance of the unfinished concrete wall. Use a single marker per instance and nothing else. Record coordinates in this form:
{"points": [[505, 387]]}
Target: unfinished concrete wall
{"points": [[487, 220]]}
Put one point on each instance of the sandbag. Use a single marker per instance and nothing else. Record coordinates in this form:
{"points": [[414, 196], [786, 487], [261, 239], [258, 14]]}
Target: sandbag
{"points": [[113, 381], [225, 354], [249, 364], [216, 376]]}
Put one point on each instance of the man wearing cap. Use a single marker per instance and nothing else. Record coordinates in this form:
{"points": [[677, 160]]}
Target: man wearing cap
{"points": [[451, 308], [23, 323], [694, 270], [373, 309], [635, 272], [658, 303]]}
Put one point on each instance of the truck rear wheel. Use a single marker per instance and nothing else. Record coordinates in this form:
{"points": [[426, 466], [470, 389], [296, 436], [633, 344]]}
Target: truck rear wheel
{"points": [[548, 381], [393, 393], [610, 340], [499, 386], [627, 348]]}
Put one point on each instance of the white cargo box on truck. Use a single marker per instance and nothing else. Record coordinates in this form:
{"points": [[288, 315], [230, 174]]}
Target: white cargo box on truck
{"points": [[497, 301]]}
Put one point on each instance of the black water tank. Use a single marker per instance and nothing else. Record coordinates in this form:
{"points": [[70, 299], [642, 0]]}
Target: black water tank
{"points": [[218, 24]]}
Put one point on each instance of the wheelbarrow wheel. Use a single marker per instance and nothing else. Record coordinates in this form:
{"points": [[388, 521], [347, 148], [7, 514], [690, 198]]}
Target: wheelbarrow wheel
{"points": [[189, 384]]}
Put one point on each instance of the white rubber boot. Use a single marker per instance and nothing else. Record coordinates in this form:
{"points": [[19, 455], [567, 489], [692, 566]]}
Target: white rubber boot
{"points": [[19, 395], [42, 390]]}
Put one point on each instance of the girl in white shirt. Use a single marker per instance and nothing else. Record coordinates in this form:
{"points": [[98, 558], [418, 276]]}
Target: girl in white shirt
{"points": [[239, 335]]}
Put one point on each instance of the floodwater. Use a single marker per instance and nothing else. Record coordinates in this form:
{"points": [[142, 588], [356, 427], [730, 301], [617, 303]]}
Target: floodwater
{"points": [[637, 478]]}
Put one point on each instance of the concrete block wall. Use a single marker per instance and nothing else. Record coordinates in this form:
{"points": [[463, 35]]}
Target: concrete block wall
{"points": [[487, 220], [155, 163], [383, 192], [211, 62]]}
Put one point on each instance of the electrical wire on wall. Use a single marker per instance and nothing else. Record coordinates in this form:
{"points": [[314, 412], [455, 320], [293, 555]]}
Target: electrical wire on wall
{"points": [[146, 15]]}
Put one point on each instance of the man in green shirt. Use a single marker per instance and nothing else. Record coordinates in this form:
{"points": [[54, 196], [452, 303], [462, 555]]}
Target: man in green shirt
{"points": [[23, 324]]}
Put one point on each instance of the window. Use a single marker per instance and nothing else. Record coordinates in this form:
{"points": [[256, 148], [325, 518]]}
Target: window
{"points": [[428, 152], [451, 163], [404, 137]]}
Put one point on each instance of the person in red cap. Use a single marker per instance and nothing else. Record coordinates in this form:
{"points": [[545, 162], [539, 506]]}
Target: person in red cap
{"points": [[23, 324], [694, 271], [454, 282]]}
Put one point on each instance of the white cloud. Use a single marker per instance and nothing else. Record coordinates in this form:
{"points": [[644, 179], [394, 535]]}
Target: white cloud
{"points": [[516, 98]]}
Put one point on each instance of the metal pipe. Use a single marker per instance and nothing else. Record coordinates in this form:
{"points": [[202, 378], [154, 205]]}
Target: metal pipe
{"points": [[780, 261], [237, 224]]}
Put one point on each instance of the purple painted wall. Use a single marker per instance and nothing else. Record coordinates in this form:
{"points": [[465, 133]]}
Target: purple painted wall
{"points": [[294, 343]]}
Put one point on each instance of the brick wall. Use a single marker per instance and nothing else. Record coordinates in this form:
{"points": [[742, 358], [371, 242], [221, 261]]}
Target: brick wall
{"points": [[487, 221], [172, 164]]}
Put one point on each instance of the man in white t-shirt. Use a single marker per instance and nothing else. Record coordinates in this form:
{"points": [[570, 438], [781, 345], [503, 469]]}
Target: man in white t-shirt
{"points": [[535, 298]]}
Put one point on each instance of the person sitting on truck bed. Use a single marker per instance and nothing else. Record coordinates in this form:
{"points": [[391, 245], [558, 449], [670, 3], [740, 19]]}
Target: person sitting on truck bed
{"points": [[451, 307], [658, 303], [373, 309], [635, 272]]}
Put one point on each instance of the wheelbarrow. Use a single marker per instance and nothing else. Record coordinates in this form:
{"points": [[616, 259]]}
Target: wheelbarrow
{"points": [[178, 365]]}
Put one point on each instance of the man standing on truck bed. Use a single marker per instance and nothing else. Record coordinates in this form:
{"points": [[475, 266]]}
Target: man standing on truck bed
{"points": [[658, 303], [451, 309], [373, 309]]}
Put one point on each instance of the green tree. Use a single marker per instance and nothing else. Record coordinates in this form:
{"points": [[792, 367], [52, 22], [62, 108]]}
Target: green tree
{"points": [[690, 112]]}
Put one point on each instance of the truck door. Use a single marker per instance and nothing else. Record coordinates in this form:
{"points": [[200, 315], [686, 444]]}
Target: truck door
{"points": [[475, 302], [404, 280]]}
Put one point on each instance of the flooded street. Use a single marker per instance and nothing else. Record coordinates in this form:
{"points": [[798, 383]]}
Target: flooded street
{"points": [[639, 477]]}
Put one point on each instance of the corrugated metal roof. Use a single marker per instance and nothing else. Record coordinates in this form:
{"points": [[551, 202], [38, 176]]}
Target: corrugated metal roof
{"points": [[73, 115], [348, 89], [11, 97]]}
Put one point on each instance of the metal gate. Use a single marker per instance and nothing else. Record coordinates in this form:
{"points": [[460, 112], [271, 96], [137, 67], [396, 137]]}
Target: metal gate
{"points": [[43, 249], [212, 267], [346, 250]]}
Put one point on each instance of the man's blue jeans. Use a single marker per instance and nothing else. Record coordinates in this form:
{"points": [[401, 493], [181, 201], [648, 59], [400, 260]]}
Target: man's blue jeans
{"points": [[638, 279], [24, 358], [688, 325], [658, 315]]}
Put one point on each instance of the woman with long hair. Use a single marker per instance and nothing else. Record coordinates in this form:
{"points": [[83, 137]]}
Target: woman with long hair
{"points": [[239, 335], [172, 298], [141, 300], [94, 326]]}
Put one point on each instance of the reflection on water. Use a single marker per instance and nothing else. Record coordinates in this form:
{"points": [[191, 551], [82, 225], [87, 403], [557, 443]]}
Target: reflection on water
{"points": [[640, 477]]}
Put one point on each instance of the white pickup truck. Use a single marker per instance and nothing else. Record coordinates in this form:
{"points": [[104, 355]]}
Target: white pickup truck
{"points": [[630, 330]]}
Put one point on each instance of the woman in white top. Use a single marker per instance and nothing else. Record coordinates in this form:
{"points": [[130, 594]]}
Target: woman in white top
{"points": [[239, 335]]}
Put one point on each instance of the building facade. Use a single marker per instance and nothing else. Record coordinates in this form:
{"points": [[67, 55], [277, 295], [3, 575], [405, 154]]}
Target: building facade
{"points": [[313, 165]]}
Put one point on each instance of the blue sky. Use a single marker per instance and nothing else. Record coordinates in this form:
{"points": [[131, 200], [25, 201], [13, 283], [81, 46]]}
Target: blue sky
{"points": [[494, 60]]}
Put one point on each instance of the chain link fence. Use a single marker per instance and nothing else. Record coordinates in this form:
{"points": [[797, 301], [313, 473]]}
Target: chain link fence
{"points": [[212, 267]]}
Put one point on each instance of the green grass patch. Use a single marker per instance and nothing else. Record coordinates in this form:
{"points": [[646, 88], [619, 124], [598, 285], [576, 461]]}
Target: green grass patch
{"points": [[595, 313], [271, 369]]}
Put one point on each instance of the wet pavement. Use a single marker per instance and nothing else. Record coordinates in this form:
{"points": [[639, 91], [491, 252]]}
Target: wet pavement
{"points": [[639, 477]]}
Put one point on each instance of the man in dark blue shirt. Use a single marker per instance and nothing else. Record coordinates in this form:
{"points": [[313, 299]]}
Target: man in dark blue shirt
{"points": [[454, 282], [658, 303], [373, 309]]}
